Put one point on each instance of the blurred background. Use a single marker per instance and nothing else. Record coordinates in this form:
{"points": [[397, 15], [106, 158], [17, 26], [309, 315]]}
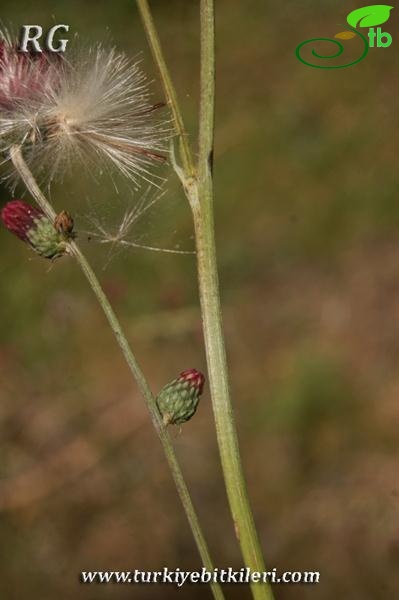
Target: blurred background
{"points": [[307, 214]]}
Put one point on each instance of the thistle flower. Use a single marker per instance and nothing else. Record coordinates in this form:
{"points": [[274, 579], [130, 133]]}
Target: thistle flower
{"points": [[93, 109], [24, 76], [178, 400], [32, 226]]}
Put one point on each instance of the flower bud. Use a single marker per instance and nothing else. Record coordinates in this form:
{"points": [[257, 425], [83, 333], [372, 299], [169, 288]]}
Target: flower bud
{"points": [[64, 224], [32, 226], [178, 400]]}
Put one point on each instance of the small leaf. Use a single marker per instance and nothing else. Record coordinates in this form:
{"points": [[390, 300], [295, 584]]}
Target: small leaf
{"points": [[345, 35], [369, 16]]}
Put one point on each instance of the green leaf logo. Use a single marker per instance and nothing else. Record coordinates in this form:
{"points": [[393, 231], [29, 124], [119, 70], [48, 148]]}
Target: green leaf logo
{"points": [[368, 16]]}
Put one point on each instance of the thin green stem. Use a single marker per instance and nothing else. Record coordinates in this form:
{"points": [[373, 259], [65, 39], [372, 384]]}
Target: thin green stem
{"points": [[171, 96], [30, 182], [212, 318]]}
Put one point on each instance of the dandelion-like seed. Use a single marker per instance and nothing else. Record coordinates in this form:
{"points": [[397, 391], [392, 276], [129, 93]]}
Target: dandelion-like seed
{"points": [[121, 234], [94, 109]]}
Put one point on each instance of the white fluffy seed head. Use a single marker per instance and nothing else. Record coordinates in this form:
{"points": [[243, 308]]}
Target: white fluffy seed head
{"points": [[93, 109]]}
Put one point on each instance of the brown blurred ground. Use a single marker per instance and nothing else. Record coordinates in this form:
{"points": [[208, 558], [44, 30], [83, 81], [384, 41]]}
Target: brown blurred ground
{"points": [[307, 220]]}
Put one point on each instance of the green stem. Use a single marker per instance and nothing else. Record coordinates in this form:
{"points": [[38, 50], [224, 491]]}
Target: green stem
{"points": [[171, 96], [212, 317], [30, 182], [199, 191]]}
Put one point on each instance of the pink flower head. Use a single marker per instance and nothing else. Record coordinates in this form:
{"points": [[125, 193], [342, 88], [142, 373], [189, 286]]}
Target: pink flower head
{"points": [[20, 218], [25, 76], [31, 225], [194, 377]]}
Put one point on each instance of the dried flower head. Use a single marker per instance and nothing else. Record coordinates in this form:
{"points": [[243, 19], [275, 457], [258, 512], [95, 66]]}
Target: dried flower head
{"points": [[93, 108], [32, 226]]}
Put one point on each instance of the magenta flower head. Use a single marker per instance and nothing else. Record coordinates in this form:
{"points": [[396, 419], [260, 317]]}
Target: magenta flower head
{"points": [[32, 226], [178, 400], [25, 76]]}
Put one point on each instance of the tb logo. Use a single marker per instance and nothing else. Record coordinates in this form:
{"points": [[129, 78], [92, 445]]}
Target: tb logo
{"points": [[365, 17], [383, 39]]}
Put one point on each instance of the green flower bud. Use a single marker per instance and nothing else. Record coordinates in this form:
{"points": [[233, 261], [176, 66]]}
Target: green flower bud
{"points": [[178, 400], [32, 226]]}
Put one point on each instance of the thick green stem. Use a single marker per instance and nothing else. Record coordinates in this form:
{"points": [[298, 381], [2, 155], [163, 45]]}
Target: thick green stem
{"points": [[199, 191], [212, 318], [30, 182], [155, 45]]}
